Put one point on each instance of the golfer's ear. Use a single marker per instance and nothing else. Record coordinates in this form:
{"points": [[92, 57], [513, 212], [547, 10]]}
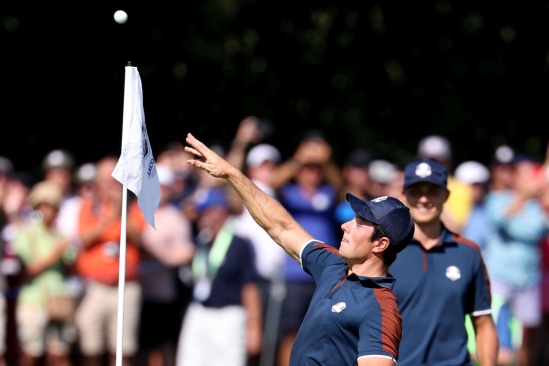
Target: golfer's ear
{"points": [[382, 244]]}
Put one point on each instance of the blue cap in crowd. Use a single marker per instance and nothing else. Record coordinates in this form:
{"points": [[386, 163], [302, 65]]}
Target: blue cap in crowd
{"points": [[210, 197], [425, 170], [390, 214]]}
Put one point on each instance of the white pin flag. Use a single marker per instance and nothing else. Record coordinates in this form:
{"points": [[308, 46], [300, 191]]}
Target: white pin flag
{"points": [[136, 168]]}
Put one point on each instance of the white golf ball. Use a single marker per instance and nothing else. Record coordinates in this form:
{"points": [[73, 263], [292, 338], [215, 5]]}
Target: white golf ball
{"points": [[120, 16]]}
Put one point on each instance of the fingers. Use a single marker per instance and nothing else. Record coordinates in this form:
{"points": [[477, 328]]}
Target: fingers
{"points": [[193, 151]]}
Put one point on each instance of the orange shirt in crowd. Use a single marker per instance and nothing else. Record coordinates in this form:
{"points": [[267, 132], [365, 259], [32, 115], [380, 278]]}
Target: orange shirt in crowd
{"points": [[99, 261]]}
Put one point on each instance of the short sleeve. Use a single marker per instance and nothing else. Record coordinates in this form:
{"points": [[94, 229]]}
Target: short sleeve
{"points": [[381, 329], [316, 256], [478, 297]]}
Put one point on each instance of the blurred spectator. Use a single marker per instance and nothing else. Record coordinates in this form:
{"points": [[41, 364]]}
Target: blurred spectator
{"points": [[311, 200], [356, 180], [58, 168], [394, 189], [458, 207], [261, 165], [175, 157], [501, 168], [165, 249], [544, 200], [478, 177], [517, 224], [99, 226], [84, 180], [248, 133], [43, 323], [382, 174], [15, 212], [225, 314], [6, 167]]}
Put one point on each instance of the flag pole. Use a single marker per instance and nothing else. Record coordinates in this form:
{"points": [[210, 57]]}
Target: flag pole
{"points": [[122, 257], [136, 170]]}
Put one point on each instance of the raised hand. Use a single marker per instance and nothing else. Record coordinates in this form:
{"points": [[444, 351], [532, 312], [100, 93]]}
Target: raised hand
{"points": [[209, 161]]}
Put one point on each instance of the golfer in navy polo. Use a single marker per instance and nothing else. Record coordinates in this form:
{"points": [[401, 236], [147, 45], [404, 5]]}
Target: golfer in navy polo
{"points": [[353, 317], [441, 277]]}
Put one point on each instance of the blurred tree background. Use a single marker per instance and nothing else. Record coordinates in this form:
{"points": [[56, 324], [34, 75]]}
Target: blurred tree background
{"points": [[375, 74]]}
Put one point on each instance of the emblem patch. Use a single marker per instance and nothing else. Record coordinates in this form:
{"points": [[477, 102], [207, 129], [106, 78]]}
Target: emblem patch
{"points": [[338, 308], [423, 170], [379, 199], [453, 273]]}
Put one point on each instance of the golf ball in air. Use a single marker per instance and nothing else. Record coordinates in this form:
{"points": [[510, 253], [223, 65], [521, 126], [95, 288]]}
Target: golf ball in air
{"points": [[120, 16]]}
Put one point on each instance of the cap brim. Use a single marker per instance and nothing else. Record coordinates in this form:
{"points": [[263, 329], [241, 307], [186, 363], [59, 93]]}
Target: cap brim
{"points": [[411, 182], [361, 208]]}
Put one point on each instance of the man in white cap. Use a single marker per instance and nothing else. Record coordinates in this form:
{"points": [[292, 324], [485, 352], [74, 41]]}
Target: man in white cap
{"points": [[261, 165], [166, 248], [477, 176]]}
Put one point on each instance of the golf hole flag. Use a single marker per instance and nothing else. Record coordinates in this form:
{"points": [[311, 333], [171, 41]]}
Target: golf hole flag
{"points": [[136, 168]]}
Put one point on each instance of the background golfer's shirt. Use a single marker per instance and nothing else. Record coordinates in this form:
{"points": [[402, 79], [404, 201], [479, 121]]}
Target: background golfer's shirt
{"points": [[350, 317], [435, 289]]}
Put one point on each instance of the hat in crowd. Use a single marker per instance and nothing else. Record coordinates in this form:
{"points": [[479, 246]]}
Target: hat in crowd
{"points": [[210, 197], [382, 171], [261, 153], [504, 154], [359, 157], [390, 214], [166, 176], [45, 192], [425, 170], [472, 172], [526, 158], [435, 147], [85, 174], [6, 166], [58, 159]]}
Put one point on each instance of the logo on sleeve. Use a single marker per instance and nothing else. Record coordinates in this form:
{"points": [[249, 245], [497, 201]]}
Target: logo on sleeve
{"points": [[338, 308], [453, 273], [423, 170]]}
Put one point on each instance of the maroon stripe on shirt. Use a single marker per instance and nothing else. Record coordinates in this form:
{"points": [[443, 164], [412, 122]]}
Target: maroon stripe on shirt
{"points": [[472, 244], [391, 321], [328, 248]]}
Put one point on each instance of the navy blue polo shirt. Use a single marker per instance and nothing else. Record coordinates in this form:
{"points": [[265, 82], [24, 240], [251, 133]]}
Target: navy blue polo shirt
{"points": [[435, 289], [349, 317]]}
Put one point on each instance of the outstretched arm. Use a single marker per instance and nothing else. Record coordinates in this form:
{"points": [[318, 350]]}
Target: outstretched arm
{"points": [[268, 213]]}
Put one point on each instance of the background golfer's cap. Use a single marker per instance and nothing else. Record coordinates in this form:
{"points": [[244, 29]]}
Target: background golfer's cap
{"points": [[425, 170], [390, 214]]}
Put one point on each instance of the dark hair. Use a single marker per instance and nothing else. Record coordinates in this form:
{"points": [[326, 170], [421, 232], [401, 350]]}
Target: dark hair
{"points": [[390, 254]]}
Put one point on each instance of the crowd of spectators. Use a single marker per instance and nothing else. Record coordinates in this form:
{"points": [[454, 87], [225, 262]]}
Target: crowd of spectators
{"points": [[208, 285]]}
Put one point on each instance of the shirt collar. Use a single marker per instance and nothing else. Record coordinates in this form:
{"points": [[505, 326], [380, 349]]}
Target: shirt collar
{"points": [[446, 237], [366, 281]]}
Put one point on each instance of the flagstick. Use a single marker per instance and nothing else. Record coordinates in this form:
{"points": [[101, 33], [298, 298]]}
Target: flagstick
{"points": [[122, 260], [121, 279]]}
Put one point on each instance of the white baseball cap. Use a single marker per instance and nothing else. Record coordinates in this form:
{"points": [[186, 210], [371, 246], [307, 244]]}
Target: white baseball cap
{"points": [[382, 171], [261, 153], [435, 146], [472, 172]]}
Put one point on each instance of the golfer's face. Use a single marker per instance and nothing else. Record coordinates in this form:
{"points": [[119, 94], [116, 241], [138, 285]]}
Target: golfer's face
{"points": [[425, 201], [356, 245]]}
